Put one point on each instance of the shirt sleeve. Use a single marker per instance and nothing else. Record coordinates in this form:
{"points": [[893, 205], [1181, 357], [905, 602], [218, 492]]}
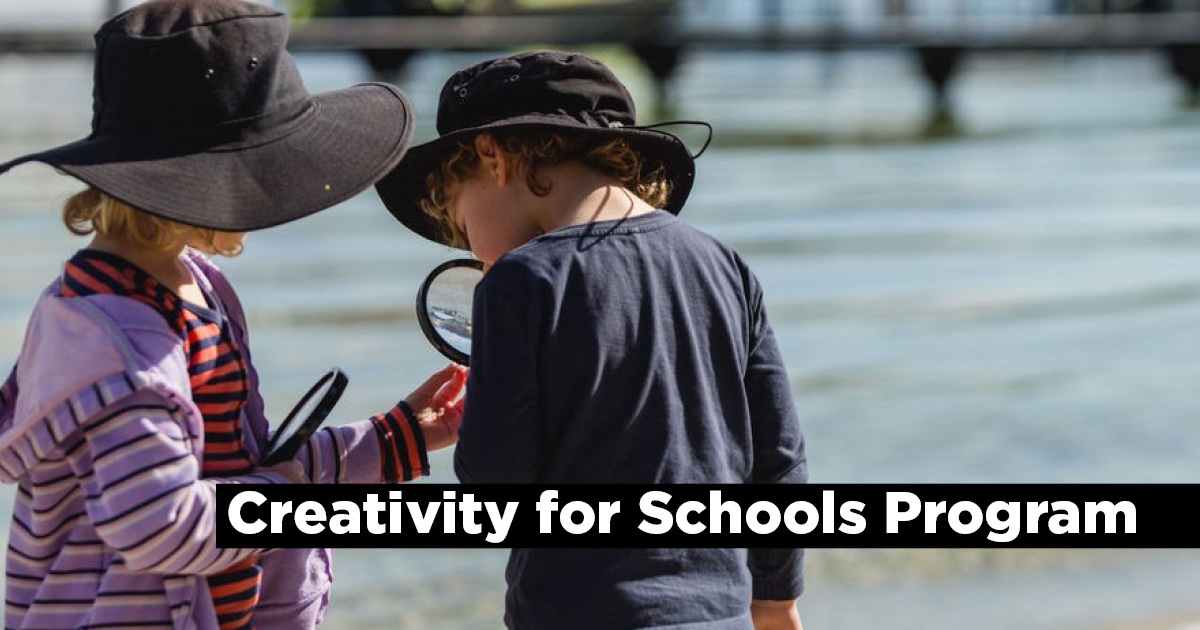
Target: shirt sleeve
{"points": [[145, 496], [778, 444], [387, 448], [500, 440]]}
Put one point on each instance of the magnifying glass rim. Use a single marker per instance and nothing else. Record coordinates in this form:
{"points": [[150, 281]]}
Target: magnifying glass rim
{"points": [[275, 453], [447, 350]]}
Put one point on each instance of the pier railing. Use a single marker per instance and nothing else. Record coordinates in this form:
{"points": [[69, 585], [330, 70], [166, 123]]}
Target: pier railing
{"points": [[816, 24], [939, 32]]}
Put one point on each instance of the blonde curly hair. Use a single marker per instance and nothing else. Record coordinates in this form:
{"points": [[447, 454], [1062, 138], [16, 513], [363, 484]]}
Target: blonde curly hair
{"points": [[92, 211], [613, 157]]}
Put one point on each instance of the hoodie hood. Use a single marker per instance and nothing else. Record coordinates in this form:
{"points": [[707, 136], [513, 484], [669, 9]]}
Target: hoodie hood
{"points": [[82, 354], [79, 356]]}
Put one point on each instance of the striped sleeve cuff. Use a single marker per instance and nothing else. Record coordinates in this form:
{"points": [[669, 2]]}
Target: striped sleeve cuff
{"points": [[401, 444]]}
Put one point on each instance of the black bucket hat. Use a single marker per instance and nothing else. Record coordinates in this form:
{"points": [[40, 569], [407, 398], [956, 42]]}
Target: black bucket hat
{"points": [[200, 116], [536, 90]]}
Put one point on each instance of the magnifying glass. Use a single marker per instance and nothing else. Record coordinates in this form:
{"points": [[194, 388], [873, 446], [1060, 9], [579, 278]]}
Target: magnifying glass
{"points": [[444, 307], [305, 418]]}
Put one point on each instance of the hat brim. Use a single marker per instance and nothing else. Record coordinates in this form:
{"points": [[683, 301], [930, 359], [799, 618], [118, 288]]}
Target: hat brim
{"points": [[344, 142], [405, 186]]}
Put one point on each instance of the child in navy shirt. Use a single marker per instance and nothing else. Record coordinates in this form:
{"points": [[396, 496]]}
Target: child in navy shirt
{"points": [[612, 342]]}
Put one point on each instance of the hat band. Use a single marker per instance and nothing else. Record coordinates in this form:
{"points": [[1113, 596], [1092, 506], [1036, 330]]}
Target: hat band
{"points": [[584, 119], [231, 133], [603, 119]]}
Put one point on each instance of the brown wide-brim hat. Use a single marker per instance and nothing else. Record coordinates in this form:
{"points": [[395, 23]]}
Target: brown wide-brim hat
{"points": [[534, 92], [200, 116]]}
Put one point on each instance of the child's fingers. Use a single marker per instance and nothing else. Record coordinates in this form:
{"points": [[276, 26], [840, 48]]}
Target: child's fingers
{"points": [[421, 395], [452, 419], [452, 389]]}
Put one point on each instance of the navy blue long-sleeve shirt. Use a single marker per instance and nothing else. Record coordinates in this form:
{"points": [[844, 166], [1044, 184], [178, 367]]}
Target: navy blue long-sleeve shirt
{"points": [[630, 351]]}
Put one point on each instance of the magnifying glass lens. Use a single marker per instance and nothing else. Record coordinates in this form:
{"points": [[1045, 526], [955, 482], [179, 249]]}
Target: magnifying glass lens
{"points": [[444, 307]]}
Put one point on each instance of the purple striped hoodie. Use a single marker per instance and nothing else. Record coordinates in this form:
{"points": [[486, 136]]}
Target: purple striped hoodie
{"points": [[113, 525]]}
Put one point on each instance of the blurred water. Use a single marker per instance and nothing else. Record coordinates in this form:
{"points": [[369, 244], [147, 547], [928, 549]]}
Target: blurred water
{"points": [[1018, 304]]}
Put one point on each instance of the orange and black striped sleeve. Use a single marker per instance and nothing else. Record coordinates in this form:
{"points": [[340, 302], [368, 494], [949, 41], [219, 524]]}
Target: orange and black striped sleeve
{"points": [[401, 444]]}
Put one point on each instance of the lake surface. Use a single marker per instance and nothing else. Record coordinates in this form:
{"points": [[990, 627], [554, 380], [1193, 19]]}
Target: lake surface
{"points": [[1016, 304]]}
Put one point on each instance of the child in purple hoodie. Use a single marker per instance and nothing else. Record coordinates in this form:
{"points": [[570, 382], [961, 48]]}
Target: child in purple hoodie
{"points": [[135, 395]]}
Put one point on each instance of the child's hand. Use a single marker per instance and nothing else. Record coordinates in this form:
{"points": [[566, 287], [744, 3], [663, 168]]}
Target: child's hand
{"points": [[775, 615], [289, 469], [438, 405]]}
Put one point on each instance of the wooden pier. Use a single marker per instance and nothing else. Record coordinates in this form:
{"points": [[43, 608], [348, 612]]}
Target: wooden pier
{"points": [[494, 32], [660, 31]]}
